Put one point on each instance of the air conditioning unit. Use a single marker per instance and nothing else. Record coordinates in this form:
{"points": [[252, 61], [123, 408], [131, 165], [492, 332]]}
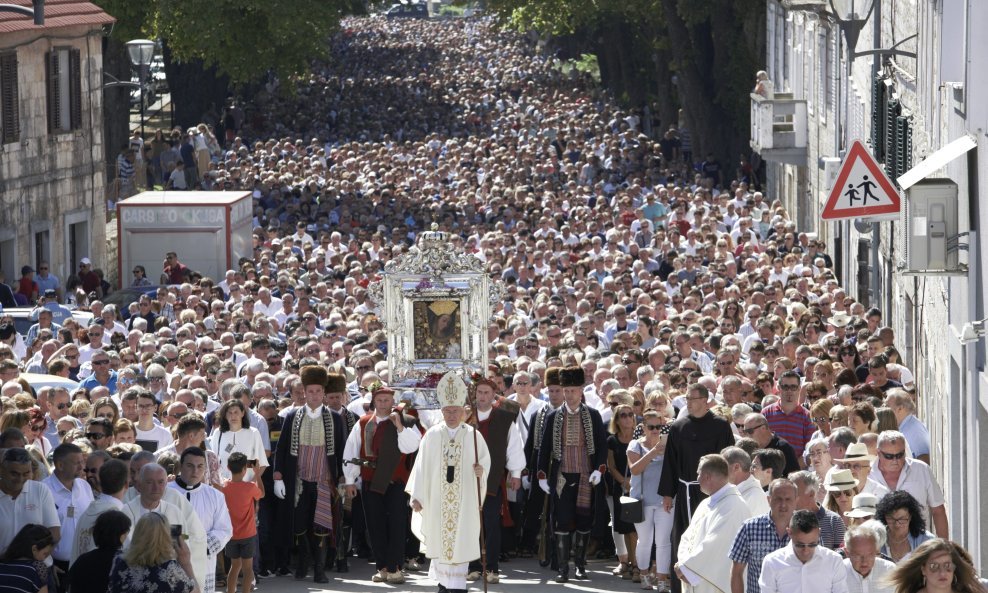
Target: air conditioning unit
{"points": [[929, 226]]}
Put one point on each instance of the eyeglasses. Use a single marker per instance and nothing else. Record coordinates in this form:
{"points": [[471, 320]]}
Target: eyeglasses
{"points": [[805, 546], [363, 368], [900, 521], [752, 429], [93, 436], [893, 456], [62, 433], [940, 566], [101, 362]]}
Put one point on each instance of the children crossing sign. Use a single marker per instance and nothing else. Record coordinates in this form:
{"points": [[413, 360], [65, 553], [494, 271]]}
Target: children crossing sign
{"points": [[862, 189]]}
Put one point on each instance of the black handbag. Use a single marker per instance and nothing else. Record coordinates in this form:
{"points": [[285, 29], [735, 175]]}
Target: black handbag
{"points": [[629, 508]]}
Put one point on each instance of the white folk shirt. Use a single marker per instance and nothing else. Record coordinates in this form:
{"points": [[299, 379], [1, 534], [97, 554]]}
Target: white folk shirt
{"points": [[408, 442], [916, 479], [516, 448], [33, 505], [70, 505], [783, 572], [874, 582]]}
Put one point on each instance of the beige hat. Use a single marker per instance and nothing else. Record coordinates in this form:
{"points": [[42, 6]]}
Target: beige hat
{"points": [[839, 480], [451, 391], [839, 319], [862, 505], [856, 452]]}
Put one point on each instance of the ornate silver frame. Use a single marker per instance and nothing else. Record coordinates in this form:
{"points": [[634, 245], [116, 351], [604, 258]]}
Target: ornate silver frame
{"points": [[417, 287]]}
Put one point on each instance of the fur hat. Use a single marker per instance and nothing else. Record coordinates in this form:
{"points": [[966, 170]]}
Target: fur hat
{"points": [[313, 375], [335, 383], [552, 376], [572, 377]]}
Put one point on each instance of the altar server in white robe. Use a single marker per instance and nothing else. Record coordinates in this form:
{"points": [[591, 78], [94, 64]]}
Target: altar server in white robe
{"points": [[209, 504], [703, 563], [445, 485]]}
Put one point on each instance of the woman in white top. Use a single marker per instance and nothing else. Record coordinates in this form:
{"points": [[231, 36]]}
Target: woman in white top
{"points": [[235, 434]]}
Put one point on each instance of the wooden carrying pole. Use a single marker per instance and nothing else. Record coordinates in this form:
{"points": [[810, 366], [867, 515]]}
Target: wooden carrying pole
{"points": [[480, 508]]}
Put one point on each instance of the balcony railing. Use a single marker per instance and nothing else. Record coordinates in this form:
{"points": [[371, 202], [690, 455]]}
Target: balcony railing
{"points": [[779, 128]]}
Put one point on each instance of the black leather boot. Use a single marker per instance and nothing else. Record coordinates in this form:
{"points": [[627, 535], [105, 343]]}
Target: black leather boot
{"points": [[580, 540], [564, 542], [342, 551], [318, 560], [302, 561]]}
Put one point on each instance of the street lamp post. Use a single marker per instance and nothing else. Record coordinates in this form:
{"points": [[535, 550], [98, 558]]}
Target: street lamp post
{"points": [[141, 52]]}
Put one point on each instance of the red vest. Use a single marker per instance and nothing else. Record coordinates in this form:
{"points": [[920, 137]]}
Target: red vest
{"points": [[402, 468]]}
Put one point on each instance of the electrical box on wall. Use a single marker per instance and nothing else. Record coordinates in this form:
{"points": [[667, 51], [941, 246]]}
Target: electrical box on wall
{"points": [[929, 224]]}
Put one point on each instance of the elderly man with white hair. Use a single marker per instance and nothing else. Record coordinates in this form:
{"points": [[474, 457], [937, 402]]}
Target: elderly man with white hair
{"points": [[896, 471], [866, 571]]}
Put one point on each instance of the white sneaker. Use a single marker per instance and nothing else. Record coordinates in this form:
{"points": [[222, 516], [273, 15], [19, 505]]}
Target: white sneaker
{"points": [[396, 578], [473, 576], [380, 577]]}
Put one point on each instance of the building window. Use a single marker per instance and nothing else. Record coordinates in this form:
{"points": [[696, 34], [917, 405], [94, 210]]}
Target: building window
{"points": [[10, 126], [63, 80]]}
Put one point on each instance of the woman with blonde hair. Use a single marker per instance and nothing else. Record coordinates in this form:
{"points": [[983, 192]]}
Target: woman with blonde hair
{"points": [[645, 459], [936, 566], [618, 483], [155, 562]]}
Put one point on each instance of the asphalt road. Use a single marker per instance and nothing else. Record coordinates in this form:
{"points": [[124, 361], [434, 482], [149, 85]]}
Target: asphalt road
{"points": [[516, 576]]}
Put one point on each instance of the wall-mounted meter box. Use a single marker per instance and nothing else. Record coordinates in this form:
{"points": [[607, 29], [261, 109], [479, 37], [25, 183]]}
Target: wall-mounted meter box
{"points": [[929, 221]]}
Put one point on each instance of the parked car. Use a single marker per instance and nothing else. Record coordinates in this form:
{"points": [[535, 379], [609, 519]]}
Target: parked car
{"points": [[123, 297], [23, 319], [416, 10], [37, 381]]}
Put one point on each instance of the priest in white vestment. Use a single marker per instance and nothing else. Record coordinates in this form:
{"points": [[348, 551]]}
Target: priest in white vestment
{"points": [[703, 563], [445, 486], [750, 489]]}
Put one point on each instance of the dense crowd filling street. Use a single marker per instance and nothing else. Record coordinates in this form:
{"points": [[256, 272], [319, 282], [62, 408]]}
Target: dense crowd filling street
{"points": [[678, 385]]}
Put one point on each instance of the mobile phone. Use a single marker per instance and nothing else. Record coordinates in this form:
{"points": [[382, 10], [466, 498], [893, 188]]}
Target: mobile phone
{"points": [[176, 533]]}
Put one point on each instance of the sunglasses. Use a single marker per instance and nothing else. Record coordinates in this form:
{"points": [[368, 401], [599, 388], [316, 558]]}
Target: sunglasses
{"points": [[805, 546], [62, 406], [752, 429], [654, 427], [189, 363], [100, 362], [893, 456], [93, 436], [625, 415], [821, 420]]}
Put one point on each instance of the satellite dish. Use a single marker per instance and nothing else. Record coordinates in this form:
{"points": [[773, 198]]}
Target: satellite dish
{"points": [[862, 226]]}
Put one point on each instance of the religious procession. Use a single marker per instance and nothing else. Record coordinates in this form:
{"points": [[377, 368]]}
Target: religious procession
{"points": [[495, 319]]}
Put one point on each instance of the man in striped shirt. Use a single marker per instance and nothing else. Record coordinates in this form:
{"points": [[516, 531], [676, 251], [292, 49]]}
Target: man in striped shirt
{"points": [[787, 418]]}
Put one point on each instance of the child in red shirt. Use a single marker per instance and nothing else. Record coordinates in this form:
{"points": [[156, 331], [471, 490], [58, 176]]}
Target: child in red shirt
{"points": [[241, 500]]}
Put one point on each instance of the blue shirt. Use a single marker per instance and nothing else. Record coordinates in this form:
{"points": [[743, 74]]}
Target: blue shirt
{"points": [[645, 486], [756, 540], [917, 435], [91, 383]]}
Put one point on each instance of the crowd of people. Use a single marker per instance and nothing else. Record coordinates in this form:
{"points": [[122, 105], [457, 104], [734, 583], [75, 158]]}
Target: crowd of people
{"points": [[677, 381]]}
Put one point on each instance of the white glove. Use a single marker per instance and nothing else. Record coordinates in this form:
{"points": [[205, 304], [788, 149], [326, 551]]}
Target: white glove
{"points": [[544, 485], [526, 482], [595, 477], [279, 488]]}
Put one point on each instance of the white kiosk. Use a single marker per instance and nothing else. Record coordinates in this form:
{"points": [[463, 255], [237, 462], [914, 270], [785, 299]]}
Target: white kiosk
{"points": [[210, 231]]}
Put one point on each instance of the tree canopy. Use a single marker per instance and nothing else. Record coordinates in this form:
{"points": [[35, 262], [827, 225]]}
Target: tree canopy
{"points": [[242, 39], [700, 55]]}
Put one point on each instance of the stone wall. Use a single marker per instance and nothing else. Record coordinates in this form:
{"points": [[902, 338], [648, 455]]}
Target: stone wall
{"points": [[51, 181]]}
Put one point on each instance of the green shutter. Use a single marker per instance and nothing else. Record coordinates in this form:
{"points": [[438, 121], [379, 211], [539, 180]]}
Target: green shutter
{"points": [[878, 107]]}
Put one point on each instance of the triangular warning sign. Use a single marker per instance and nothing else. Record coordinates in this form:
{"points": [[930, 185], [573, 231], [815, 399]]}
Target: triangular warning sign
{"points": [[862, 189]]}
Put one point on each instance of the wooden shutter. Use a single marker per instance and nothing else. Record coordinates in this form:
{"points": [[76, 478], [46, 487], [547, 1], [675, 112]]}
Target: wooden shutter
{"points": [[51, 87], [75, 90], [893, 110], [903, 156], [9, 102], [878, 106]]}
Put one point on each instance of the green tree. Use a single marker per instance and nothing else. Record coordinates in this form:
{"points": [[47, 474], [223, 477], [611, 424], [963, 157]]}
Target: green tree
{"points": [[212, 46], [697, 54]]}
